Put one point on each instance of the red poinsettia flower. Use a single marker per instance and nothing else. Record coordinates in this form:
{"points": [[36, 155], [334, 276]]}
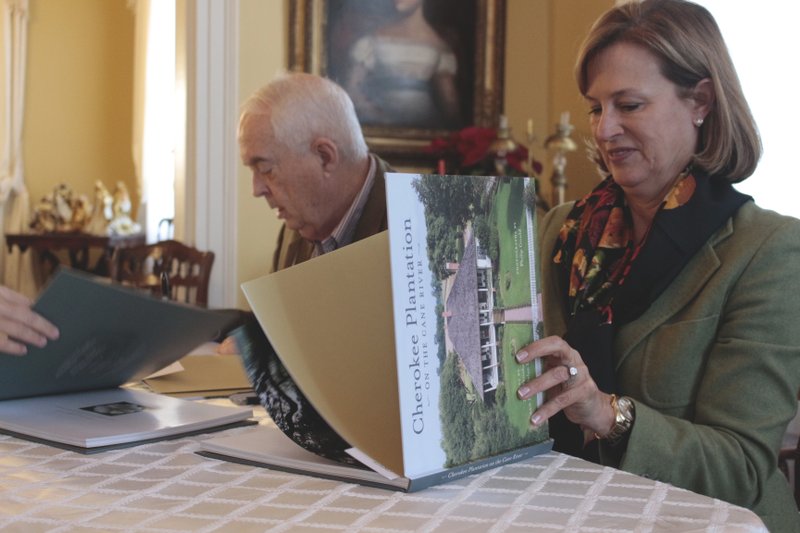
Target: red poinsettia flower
{"points": [[441, 146], [518, 158], [470, 150], [473, 142]]}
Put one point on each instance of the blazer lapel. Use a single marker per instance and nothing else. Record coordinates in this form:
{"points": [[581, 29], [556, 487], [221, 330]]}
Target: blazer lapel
{"points": [[685, 287], [297, 251], [373, 218]]}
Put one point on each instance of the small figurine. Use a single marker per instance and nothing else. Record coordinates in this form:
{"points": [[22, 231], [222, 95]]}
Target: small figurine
{"points": [[44, 219], [122, 201], [122, 224], [54, 212], [102, 212], [62, 201], [63, 211], [81, 209]]}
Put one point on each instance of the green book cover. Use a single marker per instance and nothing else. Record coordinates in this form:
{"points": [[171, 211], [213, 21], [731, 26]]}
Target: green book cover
{"points": [[465, 297], [109, 335]]}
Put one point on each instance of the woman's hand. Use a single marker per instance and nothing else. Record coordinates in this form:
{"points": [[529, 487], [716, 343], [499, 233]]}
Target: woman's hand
{"points": [[568, 387], [20, 325]]}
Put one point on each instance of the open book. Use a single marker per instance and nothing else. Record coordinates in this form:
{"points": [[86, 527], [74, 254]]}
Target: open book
{"points": [[94, 421], [397, 352], [69, 391]]}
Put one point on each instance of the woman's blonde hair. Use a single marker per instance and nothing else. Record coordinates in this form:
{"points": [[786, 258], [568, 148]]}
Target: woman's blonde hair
{"points": [[689, 46]]}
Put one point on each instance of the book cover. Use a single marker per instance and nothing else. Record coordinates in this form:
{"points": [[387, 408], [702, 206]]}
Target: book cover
{"points": [[463, 264], [99, 420], [403, 344], [110, 335], [69, 392]]}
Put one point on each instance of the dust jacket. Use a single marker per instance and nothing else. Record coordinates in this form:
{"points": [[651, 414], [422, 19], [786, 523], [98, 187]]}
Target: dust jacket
{"points": [[397, 352]]}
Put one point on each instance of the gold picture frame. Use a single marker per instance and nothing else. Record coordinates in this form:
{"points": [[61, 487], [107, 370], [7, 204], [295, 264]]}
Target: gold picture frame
{"points": [[322, 34]]}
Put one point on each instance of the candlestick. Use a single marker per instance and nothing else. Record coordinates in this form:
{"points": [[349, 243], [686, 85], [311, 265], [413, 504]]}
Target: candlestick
{"points": [[560, 143]]}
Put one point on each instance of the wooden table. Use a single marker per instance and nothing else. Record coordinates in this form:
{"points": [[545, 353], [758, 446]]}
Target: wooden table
{"points": [[77, 245]]}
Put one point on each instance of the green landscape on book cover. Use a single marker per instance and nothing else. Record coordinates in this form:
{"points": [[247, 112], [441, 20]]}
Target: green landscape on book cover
{"points": [[464, 284]]}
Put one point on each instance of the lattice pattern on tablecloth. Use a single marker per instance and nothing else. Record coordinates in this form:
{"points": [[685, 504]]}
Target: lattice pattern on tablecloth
{"points": [[165, 487]]}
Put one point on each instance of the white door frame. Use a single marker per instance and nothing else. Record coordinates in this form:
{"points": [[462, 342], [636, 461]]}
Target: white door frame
{"points": [[206, 173]]}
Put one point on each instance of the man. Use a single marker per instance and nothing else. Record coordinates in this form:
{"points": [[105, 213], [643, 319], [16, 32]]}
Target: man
{"points": [[300, 137]]}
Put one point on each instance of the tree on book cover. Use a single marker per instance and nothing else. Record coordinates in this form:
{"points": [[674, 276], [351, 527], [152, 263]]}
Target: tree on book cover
{"points": [[479, 276]]}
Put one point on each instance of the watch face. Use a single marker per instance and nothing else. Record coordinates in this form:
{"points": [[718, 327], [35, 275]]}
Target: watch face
{"points": [[626, 408], [623, 418]]}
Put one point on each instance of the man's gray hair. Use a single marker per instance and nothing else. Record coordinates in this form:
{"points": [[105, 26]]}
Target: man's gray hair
{"points": [[303, 107]]}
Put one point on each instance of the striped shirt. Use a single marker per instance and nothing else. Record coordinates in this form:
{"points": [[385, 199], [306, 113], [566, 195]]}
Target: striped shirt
{"points": [[343, 233]]}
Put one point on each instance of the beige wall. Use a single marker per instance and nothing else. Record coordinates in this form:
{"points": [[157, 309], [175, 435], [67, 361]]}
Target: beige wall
{"points": [[542, 40], [262, 54], [570, 22], [79, 96], [526, 70]]}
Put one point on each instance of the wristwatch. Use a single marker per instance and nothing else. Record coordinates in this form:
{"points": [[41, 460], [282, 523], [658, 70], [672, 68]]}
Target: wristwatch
{"points": [[624, 414]]}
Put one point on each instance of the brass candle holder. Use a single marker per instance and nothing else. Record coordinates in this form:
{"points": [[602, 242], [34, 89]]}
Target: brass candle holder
{"points": [[560, 144], [502, 146]]}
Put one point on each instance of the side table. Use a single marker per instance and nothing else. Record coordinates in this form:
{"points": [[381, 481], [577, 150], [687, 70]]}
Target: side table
{"points": [[77, 245]]}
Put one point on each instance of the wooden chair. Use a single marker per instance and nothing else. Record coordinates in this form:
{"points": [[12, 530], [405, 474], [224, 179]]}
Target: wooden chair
{"points": [[187, 270]]}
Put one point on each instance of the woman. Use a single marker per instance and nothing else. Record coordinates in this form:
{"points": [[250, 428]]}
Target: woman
{"points": [[676, 295], [404, 73], [19, 325]]}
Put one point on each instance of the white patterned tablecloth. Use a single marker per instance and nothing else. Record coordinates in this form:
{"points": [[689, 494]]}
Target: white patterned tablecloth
{"points": [[166, 487]]}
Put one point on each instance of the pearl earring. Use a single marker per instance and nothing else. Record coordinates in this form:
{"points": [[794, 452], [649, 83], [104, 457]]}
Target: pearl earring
{"points": [[698, 122]]}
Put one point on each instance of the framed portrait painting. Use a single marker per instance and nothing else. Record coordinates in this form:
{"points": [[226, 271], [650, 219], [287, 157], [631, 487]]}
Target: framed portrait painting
{"points": [[415, 69]]}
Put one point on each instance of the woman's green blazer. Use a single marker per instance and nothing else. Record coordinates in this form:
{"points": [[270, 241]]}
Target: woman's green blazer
{"points": [[713, 365]]}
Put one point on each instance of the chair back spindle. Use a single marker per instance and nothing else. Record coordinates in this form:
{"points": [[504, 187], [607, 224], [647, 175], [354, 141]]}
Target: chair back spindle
{"points": [[166, 268]]}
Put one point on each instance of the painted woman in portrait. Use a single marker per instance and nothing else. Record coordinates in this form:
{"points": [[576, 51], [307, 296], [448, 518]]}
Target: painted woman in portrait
{"points": [[403, 73]]}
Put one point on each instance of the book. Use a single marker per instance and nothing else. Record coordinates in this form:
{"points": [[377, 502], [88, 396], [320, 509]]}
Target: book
{"points": [[99, 420], [110, 335], [267, 446], [398, 350]]}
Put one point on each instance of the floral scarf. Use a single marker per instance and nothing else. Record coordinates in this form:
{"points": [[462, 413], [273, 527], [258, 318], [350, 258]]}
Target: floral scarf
{"points": [[596, 241]]}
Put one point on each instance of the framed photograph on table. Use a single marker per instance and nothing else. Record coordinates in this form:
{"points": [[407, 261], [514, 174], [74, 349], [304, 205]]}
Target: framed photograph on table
{"points": [[415, 69]]}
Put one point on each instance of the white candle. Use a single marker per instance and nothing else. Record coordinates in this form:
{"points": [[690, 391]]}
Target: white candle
{"points": [[503, 122]]}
